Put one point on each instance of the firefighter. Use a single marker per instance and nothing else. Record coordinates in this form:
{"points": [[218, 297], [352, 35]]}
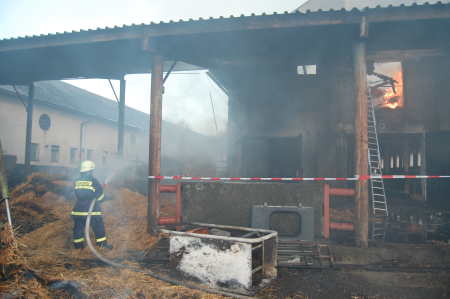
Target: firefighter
{"points": [[86, 189]]}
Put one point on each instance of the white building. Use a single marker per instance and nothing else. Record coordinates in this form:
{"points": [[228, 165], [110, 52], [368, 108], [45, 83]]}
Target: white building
{"points": [[72, 125]]}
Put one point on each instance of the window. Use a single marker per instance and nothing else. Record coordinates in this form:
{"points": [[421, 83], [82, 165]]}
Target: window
{"points": [[306, 69], [104, 156], [133, 140], [45, 122], [419, 159], [34, 152], [89, 155], [73, 155], [54, 157]]}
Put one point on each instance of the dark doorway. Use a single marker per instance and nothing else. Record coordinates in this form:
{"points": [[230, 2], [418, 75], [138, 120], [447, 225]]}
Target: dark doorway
{"points": [[278, 157]]}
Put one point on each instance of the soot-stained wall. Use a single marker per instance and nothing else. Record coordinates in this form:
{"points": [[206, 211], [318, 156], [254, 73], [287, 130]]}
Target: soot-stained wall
{"points": [[275, 101], [231, 203]]}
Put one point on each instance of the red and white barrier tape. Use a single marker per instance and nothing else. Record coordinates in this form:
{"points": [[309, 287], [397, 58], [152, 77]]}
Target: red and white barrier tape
{"points": [[356, 178], [386, 176]]}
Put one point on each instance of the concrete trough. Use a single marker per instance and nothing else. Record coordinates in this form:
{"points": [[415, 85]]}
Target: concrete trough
{"points": [[242, 263]]}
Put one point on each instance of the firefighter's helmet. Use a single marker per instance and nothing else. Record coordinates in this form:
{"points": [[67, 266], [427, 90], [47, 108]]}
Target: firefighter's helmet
{"points": [[87, 166]]}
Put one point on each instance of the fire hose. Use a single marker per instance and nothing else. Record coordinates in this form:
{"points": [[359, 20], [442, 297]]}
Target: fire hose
{"points": [[151, 274]]}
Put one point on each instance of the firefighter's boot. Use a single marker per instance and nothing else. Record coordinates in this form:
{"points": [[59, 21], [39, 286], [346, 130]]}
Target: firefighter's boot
{"points": [[105, 245], [79, 245]]}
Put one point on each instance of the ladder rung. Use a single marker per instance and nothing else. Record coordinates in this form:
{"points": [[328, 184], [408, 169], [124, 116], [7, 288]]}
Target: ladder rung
{"points": [[375, 194], [379, 209], [380, 202]]}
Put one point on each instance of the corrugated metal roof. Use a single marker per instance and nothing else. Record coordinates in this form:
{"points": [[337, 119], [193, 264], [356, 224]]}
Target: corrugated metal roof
{"points": [[296, 12], [315, 5]]}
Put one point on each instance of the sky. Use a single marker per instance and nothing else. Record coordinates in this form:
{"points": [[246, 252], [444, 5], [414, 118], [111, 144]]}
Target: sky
{"points": [[187, 97]]}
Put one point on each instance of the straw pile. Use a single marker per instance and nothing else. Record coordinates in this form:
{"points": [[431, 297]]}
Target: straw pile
{"points": [[18, 280], [40, 205]]}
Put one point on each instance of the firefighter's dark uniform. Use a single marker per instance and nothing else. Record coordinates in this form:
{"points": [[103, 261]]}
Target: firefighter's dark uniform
{"points": [[86, 189]]}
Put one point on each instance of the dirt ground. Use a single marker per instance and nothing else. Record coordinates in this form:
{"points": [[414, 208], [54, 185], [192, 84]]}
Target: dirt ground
{"points": [[44, 265], [357, 284]]}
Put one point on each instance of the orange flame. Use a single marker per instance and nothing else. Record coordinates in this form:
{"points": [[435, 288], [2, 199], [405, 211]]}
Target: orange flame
{"points": [[393, 100], [385, 96]]}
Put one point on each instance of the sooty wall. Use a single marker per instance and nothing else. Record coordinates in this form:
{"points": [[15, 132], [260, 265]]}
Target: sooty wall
{"points": [[231, 203]]}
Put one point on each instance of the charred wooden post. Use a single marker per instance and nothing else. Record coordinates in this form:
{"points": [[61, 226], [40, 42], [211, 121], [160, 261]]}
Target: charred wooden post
{"points": [[29, 129], [361, 145], [121, 118], [154, 159]]}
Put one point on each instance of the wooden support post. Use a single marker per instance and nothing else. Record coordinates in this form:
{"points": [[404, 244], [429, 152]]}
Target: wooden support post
{"points": [[154, 159], [121, 118], [27, 171], [361, 146]]}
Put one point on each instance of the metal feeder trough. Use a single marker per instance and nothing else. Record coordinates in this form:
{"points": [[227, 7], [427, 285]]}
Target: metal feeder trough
{"points": [[233, 259]]}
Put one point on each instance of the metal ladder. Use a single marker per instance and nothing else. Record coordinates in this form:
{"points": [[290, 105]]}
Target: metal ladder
{"points": [[378, 195], [378, 231]]}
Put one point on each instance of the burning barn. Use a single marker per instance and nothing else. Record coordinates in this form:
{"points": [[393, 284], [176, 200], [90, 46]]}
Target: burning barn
{"points": [[338, 94]]}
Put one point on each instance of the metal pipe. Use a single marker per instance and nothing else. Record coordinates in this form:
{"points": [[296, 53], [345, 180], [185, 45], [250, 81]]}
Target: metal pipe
{"points": [[342, 192], [168, 188], [114, 91], [361, 146], [225, 91], [167, 220], [342, 226], [81, 141], [154, 159], [4, 186], [169, 71], [20, 97], [217, 130], [29, 130], [121, 118], [249, 234]]}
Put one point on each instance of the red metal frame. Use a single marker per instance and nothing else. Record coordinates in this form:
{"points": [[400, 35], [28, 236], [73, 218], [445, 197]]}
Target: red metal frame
{"points": [[326, 209], [172, 189]]}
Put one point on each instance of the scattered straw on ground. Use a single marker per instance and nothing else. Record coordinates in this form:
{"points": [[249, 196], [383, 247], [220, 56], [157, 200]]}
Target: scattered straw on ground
{"points": [[18, 280], [40, 207]]}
